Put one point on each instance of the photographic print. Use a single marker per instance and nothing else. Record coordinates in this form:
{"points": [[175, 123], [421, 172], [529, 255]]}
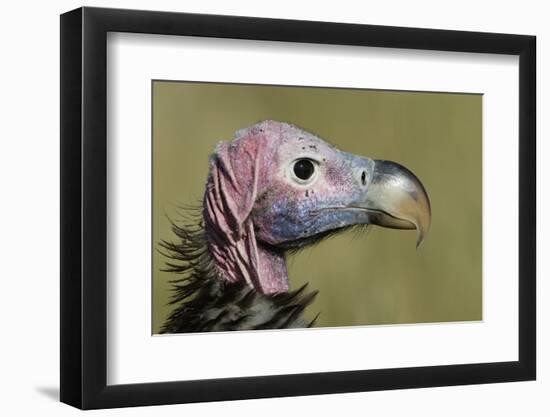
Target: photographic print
{"points": [[280, 207], [337, 207]]}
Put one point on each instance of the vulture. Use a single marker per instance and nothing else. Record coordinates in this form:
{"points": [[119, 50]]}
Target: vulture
{"points": [[271, 191]]}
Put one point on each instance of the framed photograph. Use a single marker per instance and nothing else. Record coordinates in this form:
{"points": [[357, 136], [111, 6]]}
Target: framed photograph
{"points": [[258, 208]]}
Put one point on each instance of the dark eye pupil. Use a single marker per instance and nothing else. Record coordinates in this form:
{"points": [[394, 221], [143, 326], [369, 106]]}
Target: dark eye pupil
{"points": [[304, 169]]}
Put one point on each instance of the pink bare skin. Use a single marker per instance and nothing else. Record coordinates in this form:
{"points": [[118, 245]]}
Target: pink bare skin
{"points": [[275, 188]]}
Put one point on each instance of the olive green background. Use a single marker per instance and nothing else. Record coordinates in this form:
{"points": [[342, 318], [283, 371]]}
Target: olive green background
{"points": [[375, 277]]}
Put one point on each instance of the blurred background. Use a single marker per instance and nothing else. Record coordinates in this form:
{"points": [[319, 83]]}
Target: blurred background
{"points": [[375, 277]]}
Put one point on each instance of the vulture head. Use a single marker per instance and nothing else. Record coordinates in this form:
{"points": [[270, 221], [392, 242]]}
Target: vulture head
{"points": [[273, 189]]}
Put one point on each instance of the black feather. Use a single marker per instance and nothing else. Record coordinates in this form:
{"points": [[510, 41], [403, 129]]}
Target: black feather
{"points": [[205, 302]]}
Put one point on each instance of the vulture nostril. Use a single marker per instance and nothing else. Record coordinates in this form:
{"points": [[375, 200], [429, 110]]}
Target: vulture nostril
{"points": [[363, 178]]}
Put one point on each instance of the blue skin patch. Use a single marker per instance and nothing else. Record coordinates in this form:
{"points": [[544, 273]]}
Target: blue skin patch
{"points": [[297, 214]]}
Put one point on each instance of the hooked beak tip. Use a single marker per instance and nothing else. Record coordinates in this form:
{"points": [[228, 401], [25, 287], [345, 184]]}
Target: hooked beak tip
{"points": [[399, 194]]}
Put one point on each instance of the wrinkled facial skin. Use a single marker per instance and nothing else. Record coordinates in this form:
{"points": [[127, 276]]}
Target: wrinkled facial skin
{"points": [[289, 209], [276, 187]]}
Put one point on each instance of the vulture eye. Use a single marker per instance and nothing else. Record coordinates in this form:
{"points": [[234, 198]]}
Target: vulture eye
{"points": [[304, 169]]}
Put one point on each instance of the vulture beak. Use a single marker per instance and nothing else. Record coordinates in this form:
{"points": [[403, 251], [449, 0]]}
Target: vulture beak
{"points": [[396, 199]]}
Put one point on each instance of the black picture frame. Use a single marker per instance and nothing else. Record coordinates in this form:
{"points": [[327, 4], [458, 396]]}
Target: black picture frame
{"points": [[84, 207]]}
